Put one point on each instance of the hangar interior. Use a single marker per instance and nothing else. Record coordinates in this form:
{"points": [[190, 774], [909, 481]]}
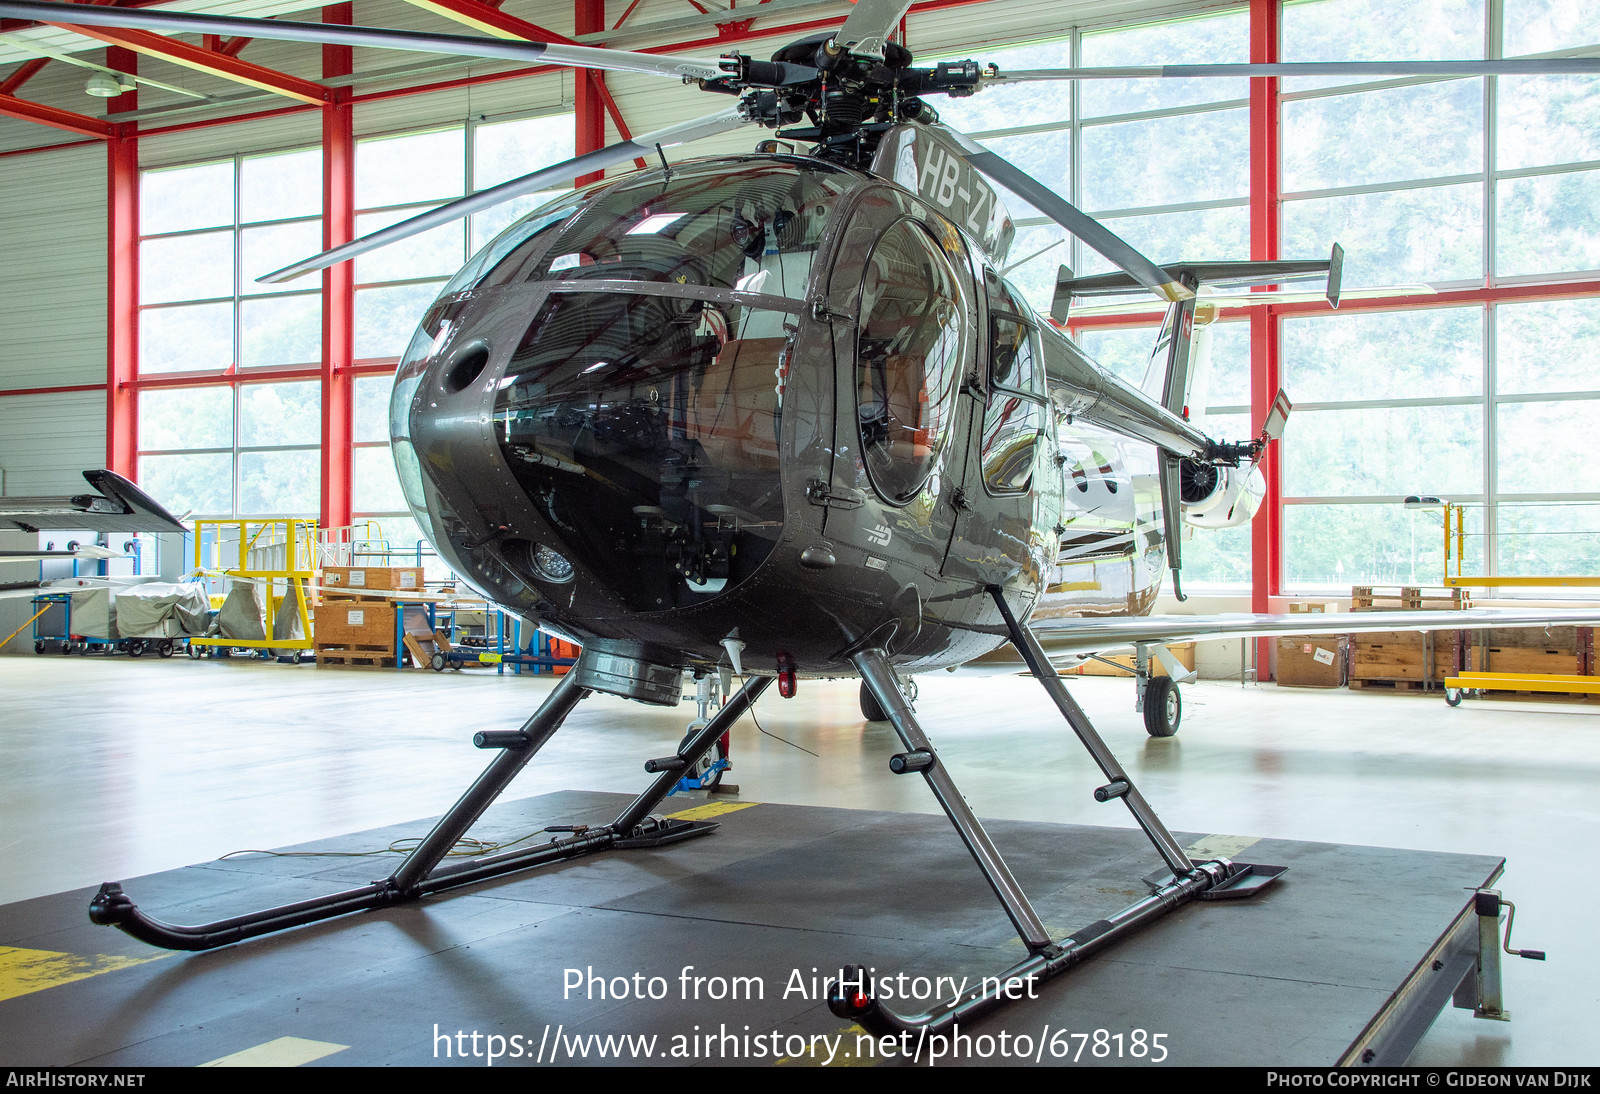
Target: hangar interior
{"points": [[1456, 366]]}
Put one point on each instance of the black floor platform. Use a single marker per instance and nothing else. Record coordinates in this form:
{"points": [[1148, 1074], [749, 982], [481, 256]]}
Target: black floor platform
{"points": [[1336, 956]]}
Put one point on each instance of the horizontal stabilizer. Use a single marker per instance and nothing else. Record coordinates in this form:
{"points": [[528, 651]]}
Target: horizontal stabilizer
{"points": [[119, 507], [1214, 274]]}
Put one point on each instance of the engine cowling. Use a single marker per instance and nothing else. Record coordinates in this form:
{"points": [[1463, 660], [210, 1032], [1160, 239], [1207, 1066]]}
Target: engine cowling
{"points": [[1218, 496]]}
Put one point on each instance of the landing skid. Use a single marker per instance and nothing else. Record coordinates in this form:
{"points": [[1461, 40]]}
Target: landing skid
{"points": [[420, 874], [851, 997]]}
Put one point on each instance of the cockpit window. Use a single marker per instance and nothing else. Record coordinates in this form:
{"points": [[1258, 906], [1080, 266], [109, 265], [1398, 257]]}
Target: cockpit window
{"points": [[645, 428], [755, 226], [908, 358]]}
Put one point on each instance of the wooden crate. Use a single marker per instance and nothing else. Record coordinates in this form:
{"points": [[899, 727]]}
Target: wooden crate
{"points": [[1403, 655], [1554, 662], [367, 581], [355, 623]]}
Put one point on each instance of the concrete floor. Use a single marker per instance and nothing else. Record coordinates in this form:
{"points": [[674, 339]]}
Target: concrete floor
{"points": [[115, 768]]}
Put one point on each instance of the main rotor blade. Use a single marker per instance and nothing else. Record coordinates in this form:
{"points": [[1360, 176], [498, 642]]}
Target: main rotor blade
{"points": [[542, 179], [1533, 66], [1102, 239], [497, 49], [868, 27]]}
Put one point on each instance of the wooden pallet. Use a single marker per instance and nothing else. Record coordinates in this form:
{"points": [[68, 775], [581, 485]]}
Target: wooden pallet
{"points": [[1392, 685], [1378, 598], [356, 656]]}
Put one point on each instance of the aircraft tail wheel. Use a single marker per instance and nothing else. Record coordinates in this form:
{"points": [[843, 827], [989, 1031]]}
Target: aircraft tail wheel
{"points": [[870, 709], [1163, 707], [1452, 696]]}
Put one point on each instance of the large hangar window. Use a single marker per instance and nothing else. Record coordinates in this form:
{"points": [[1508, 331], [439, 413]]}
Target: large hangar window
{"points": [[226, 426], [1488, 189]]}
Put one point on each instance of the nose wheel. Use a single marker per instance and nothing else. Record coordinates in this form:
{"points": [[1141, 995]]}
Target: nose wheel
{"points": [[1163, 707]]}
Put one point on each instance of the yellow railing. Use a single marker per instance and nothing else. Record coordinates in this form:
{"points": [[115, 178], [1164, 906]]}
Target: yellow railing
{"points": [[270, 553]]}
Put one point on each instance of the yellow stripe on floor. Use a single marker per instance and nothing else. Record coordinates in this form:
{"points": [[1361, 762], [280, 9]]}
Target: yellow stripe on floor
{"points": [[23, 972], [283, 1052], [711, 809], [1219, 846]]}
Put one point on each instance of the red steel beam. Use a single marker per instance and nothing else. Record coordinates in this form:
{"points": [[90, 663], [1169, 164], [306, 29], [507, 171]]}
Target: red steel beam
{"points": [[25, 72], [588, 107], [616, 117], [204, 60], [122, 283], [493, 21], [82, 124], [1266, 533], [338, 286], [50, 390]]}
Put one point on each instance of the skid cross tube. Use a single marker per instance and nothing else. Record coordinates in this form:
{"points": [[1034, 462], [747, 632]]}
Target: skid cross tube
{"points": [[420, 874]]}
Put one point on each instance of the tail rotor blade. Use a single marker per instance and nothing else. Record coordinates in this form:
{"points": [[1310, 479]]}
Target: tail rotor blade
{"points": [[1115, 249], [544, 179]]}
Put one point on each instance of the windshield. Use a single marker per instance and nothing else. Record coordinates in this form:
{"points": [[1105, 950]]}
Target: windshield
{"points": [[751, 224]]}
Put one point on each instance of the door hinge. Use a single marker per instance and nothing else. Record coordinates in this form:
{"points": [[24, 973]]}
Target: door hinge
{"points": [[817, 493], [821, 311]]}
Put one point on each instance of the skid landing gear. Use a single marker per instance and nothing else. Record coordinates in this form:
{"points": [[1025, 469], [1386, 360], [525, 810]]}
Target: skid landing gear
{"points": [[420, 874], [1183, 880]]}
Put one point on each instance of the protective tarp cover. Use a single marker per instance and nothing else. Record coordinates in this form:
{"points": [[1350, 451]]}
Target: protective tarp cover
{"points": [[91, 613], [160, 610], [241, 613], [286, 616]]}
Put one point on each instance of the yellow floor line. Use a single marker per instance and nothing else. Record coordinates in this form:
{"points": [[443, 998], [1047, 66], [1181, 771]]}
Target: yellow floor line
{"points": [[1219, 846], [23, 972], [283, 1052], [710, 809]]}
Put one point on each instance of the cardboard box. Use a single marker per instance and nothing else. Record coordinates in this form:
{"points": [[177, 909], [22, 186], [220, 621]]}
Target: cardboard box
{"points": [[1311, 661], [371, 580]]}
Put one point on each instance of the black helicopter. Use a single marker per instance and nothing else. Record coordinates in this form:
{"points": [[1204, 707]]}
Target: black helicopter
{"points": [[779, 414]]}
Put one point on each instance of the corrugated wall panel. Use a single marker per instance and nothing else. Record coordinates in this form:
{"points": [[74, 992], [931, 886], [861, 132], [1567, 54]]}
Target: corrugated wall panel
{"points": [[530, 95], [53, 281], [298, 130], [47, 441]]}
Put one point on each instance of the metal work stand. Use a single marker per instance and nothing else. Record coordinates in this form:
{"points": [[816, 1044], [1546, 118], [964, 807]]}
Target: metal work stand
{"points": [[420, 874], [851, 997]]}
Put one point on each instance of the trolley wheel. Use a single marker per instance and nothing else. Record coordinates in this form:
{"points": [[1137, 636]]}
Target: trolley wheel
{"points": [[871, 709], [1163, 707], [66, 647], [166, 647], [194, 651], [438, 661], [136, 648], [38, 645], [1453, 696]]}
